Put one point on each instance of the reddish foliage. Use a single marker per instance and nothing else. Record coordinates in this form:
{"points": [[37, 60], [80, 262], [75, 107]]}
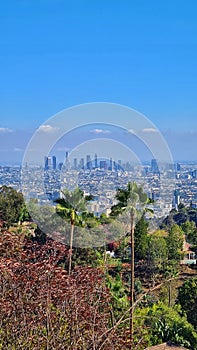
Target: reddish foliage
{"points": [[42, 307]]}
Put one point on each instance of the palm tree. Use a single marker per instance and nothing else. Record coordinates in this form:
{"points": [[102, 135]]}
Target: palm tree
{"points": [[133, 200], [72, 207], [170, 274]]}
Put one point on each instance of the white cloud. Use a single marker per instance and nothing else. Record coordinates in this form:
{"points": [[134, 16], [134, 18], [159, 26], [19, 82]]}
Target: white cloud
{"points": [[18, 149], [131, 131], [6, 130], [47, 128], [149, 130], [100, 131]]}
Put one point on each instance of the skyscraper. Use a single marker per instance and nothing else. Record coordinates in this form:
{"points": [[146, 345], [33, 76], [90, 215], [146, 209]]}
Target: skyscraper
{"points": [[54, 163], [81, 163], [176, 199], [178, 167], [60, 166], [67, 161], [75, 163], [103, 164], [154, 166], [47, 163], [95, 161], [111, 164], [88, 162]]}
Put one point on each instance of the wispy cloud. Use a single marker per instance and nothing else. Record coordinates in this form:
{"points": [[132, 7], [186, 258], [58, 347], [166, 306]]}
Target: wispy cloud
{"points": [[16, 149], [47, 128], [6, 130], [149, 130], [100, 131], [131, 131]]}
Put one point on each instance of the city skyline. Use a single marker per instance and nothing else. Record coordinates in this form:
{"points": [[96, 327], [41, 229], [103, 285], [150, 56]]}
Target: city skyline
{"points": [[87, 162], [168, 186]]}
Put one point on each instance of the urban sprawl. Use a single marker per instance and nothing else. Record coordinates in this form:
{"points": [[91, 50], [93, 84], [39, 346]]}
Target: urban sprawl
{"points": [[167, 184]]}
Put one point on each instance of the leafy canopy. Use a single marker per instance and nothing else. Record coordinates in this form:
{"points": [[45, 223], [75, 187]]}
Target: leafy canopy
{"points": [[131, 198], [72, 206]]}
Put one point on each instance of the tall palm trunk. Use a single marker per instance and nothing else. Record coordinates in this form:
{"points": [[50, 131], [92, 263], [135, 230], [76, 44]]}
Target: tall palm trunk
{"points": [[129, 199], [70, 207], [70, 249], [170, 293], [132, 285]]}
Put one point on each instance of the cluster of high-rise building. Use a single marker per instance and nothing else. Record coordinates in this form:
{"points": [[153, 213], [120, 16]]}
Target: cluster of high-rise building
{"points": [[50, 163]]}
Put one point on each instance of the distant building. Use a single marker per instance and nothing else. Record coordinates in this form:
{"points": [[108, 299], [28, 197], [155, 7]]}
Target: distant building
{"points": [[154, 166], [189, 255], [54, 163], [67, 161], [47, 163], [176, 199], [75, 163], [194, 205], [178, 167], [111, 164], [50, 163], [88, 162], [95, 161], [81, 163], [103, 164], [194, 174], [60, 166]]}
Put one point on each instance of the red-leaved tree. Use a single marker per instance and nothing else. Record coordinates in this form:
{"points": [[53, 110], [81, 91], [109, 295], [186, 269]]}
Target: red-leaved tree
{"points": [[42, 307]]}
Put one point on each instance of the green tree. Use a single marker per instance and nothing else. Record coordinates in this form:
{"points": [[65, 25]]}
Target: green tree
{"points": [[168, 222], [47, 221], [12, 206], [132, 200], [187, 297], [175, 243], [192, 213], [122, 251], [87, 256], [141, 239], [157, 254], [190, 230], [160, 323], [182, 215], [72, 207], [119, 296]]}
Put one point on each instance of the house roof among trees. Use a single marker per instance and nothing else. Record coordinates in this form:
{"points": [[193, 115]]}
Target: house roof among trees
{"points": [[166, 346]]}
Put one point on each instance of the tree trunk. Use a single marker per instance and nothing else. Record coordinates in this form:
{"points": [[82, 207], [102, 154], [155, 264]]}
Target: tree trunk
{"points": [[170, 293], [132, 286], [70, 249]]}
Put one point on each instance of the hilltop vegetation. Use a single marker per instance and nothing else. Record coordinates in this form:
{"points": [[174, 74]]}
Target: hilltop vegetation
{"points": [[44, 306]]}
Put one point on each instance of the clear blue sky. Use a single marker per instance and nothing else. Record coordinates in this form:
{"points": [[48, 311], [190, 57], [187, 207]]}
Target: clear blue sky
{"points": [[58, 53]]}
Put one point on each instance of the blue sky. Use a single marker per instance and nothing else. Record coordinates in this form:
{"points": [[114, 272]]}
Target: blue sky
{"points": [[58, 53]]}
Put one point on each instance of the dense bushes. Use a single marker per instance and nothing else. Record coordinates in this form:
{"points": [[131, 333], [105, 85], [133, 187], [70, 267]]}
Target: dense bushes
{"points": [[44, 308]]}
